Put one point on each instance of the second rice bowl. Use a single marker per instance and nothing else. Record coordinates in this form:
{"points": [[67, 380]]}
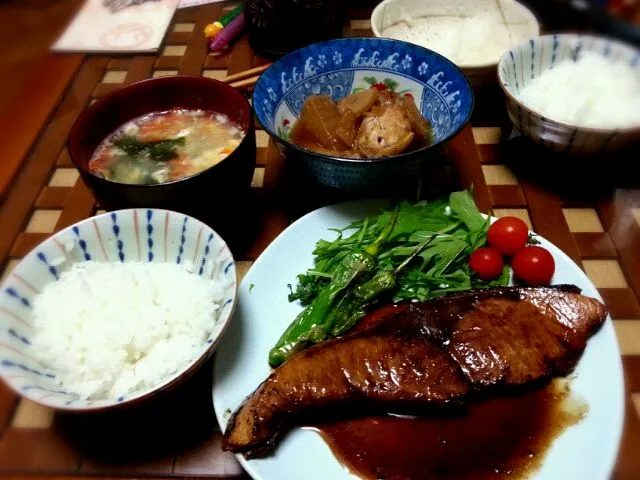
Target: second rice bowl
{"points": [[166, 241]]}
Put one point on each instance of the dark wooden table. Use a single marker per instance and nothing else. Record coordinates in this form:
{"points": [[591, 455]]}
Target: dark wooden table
{"points": [[590, 209]]}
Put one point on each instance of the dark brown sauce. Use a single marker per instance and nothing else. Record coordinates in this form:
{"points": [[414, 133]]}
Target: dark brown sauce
{"points": [[496, 438]]}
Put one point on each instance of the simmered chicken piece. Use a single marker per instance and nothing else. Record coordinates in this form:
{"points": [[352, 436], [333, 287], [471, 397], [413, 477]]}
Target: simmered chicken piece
{"points": [[419, 124], [367, 124], [359, 103], [384, 131]]}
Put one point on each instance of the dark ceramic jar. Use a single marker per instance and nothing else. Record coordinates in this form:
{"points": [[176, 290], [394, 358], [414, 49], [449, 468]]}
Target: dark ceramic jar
{"points": [[276, 27]]}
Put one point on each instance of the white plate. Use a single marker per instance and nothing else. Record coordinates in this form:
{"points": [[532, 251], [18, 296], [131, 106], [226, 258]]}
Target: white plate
{"points": [[586, 450]]}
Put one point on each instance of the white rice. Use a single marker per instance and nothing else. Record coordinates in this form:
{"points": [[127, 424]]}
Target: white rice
{"points": [[470, 33], [111, 329], [593, 92], [476, 40]]}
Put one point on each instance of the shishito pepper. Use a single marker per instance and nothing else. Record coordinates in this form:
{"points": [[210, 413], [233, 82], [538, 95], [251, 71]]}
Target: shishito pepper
{"points": [[311, 325], [355, 303]]}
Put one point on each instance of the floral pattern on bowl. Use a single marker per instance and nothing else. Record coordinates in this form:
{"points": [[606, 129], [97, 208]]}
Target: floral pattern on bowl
{"points": [[339, 67], [386, 85], [284, 129], [336, 67], [138, 235]]}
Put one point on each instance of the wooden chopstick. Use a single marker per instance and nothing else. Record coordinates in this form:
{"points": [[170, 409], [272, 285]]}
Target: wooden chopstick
{"points": [[251, 74], [246, 83]]}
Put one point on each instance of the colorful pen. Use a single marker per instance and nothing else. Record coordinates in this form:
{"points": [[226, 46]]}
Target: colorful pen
{"points": [[226, 19], [228, 33], [211, 30]]}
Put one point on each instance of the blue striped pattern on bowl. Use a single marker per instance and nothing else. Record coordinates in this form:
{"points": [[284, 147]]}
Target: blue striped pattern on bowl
{"points": [[521, 64], [137, 235]]}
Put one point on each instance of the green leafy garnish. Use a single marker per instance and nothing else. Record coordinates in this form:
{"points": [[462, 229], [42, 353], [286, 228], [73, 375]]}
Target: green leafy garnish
{"points": [[532, 240], [441, 267], [503, 279], [161, 150], [410, 252], [391, 84], [465, 208]]}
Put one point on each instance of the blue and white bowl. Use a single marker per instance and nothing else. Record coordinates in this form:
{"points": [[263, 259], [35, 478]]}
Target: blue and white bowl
{"points": [[138, 235], [522, 64], [340, 67]]}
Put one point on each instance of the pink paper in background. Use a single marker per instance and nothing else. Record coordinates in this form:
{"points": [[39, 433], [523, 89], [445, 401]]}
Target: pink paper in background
{"points": [[139, 28]]}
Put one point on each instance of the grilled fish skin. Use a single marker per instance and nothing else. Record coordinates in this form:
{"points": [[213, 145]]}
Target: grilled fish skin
{"points": [[430, 354], [379, 368], [507, 335]]}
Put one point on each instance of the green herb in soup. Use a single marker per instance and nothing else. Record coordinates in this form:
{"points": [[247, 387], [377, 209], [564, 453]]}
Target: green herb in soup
{"points": [[166, 146]]}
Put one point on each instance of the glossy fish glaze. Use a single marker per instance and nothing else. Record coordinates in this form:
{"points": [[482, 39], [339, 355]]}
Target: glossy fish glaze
{"points": [[431, 354]]}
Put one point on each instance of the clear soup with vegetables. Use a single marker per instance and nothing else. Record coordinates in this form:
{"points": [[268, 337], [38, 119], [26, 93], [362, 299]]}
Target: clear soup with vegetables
{"points": [[165, 146]]}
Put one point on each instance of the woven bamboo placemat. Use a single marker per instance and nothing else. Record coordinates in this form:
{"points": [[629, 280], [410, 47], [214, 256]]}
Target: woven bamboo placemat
{"points": [[591, 212]]}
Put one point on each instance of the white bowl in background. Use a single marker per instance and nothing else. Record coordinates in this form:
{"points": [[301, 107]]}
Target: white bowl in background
{"points": [[446, 23], [147, 235], [523, 63]]}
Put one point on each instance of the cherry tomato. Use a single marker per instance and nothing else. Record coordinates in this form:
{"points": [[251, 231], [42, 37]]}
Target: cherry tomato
{"points": [[486, 262], [508, 234], [534, 266]]}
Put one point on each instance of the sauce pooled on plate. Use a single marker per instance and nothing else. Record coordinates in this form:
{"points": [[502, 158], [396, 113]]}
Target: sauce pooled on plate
{"points": [[502, 437]]}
